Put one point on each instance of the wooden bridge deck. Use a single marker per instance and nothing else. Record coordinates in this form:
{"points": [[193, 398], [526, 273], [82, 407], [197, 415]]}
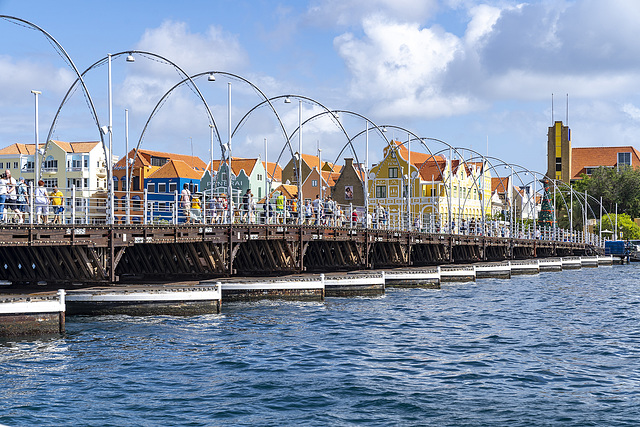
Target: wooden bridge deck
{"points": [[91, 254]]}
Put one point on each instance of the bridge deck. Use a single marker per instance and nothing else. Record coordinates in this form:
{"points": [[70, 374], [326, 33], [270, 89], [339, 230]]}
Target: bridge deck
{"points": [[59, 254]]}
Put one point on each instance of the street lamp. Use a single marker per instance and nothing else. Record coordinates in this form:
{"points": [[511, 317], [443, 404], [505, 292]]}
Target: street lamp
{"points": [[230, 203], [110, 159], [37, 136], [287, 100]]}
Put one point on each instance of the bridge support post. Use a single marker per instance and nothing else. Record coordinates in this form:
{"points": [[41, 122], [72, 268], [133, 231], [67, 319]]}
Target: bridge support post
{"points": [[112, 255]]}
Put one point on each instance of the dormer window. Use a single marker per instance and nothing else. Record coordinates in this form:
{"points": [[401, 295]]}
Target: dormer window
{"points": [[624, 159]]}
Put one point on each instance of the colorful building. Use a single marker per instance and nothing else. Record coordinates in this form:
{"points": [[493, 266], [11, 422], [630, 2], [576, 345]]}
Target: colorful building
{"points": [[428, 186], [164, 187]]}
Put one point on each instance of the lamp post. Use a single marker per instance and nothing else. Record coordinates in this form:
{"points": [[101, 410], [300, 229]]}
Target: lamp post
{"points": [[110, 153], [287, 100], [266, 185], [37, 137], [409, 213], [211, 167], [299, 158], [229, 189], [366, 170], [126, 164], [320, 172]]}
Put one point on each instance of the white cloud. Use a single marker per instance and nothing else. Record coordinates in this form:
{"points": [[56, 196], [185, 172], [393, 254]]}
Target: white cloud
{"points": [[194, 52], [402, 67], [632, 111], [352, 12], [21, 76]]}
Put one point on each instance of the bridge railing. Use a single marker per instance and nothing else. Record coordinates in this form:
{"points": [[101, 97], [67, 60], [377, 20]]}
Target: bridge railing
{"points": [[86, 206]]}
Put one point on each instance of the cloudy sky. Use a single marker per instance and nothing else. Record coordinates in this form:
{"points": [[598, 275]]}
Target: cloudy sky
{"points": [[476, 74]]}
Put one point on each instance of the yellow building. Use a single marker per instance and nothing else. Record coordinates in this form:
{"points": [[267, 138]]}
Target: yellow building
{"points": [[427, 185]]}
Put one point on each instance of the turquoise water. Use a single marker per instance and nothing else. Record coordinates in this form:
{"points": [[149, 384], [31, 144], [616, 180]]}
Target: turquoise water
{"points": [[551, 349]]}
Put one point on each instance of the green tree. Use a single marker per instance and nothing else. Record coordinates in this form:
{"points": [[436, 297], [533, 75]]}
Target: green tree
{"points": [[627, 229], [621, 186]]}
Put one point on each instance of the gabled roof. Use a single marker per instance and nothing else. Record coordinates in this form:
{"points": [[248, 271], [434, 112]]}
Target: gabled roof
{"points": [[584, 157], [501, 185], [69, 147], [416, 156], [143, 159], [17, 148], [313, 161], [432, 170], [237, 164], [176, 169], [76, 147], [330, 177], [287, 190], [275, 175]]}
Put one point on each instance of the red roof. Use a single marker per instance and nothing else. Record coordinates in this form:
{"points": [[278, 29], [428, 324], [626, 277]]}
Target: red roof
{"points": [[584, 157]]}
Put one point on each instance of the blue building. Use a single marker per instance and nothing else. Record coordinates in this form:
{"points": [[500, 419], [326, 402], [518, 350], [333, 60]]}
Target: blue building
{"points": [[164, 187]]}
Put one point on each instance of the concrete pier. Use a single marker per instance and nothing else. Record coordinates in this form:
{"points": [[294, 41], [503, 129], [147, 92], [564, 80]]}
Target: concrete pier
{"points": [[498, 270], [550, 264], [286, 287], [143, 300], [589, 261], [413, 278], [354, 284], [529, 266], [32, 314], [465, 273], [605, 260], [571, 263]]}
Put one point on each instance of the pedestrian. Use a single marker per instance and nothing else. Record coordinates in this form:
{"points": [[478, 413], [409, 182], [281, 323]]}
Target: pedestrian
{"points": [[185, 198], [22, 205], [246, 199], [11, 197], [56, 198], [42, 203]]}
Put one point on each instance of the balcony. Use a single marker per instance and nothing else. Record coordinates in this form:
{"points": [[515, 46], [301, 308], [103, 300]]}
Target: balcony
{"points": [[101, 172], [50, 170]]}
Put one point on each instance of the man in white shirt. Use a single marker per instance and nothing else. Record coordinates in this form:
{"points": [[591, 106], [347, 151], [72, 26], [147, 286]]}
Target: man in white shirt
{"points": [[186, 202]]}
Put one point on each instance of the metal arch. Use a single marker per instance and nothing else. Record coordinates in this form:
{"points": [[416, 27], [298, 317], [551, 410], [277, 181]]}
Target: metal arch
{"points": [[299, 97], [565, 186], [195, 76], [350, 140], [422, 140], [142, 53], [75, 69]]}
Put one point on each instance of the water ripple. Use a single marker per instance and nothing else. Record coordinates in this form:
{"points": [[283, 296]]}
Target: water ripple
{"points": [[552, 349]]}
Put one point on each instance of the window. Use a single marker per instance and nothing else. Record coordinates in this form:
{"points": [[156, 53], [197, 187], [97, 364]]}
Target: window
{"points": [[50, 164], [381, 191], [162, 187], [151, 187], [393, 172], [86, 183], [77, 182], [259, 177], [27, 167], [158, 161], [86, 162], [624, 159], [173, 187], [135, 185], [314, 182], [15, 164], [50, 182], [115, 183], [1, 165], [558, 164]]}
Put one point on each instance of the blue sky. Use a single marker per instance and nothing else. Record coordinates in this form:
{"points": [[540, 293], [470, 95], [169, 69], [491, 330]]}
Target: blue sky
{"points": [[462, 71]]}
